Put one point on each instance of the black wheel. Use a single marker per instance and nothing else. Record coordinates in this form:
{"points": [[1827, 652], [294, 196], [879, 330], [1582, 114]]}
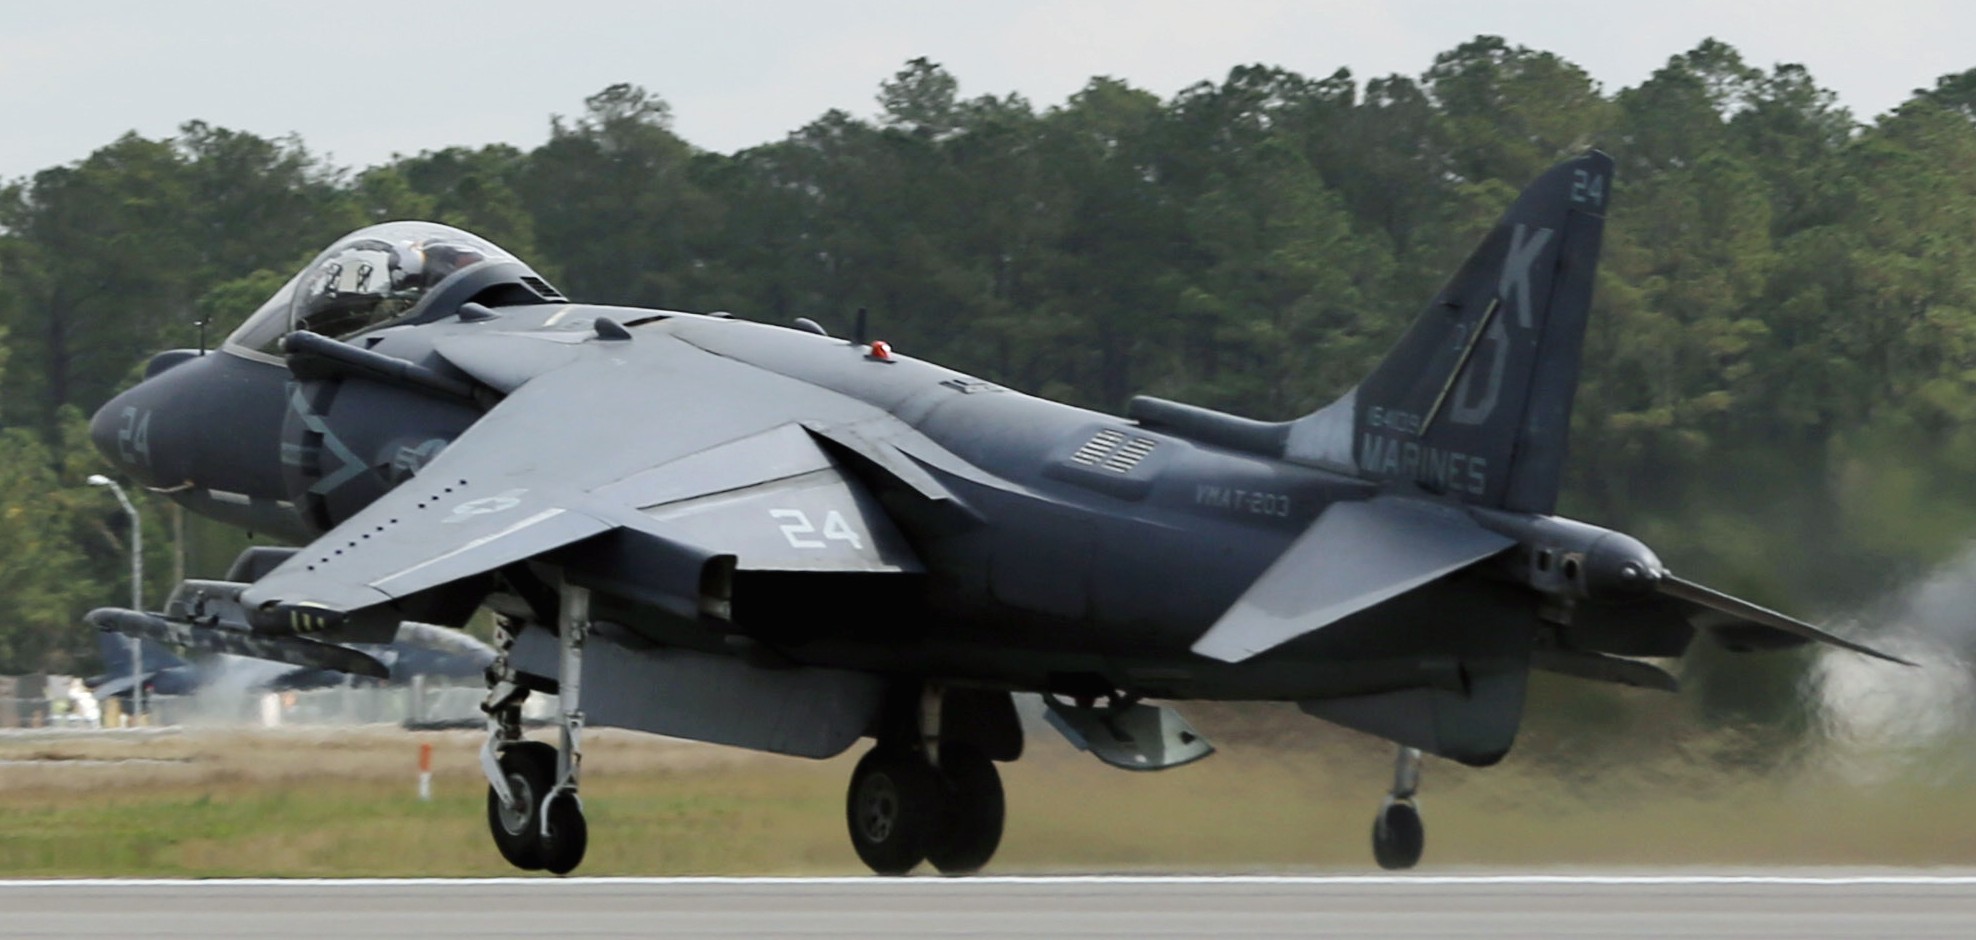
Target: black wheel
{"points": [[1398, 837], [569, 836], [530, 769], [975, 812], [894, 809]]}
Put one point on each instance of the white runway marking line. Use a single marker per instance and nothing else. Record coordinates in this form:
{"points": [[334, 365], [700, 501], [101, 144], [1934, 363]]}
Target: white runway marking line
{"points": [[929, 882]]}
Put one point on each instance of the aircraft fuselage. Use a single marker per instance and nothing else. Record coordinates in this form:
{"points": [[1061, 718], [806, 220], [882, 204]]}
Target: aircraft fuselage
{"points": [[1096, 553]]}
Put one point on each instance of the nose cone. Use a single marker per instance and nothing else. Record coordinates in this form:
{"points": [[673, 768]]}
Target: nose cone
{"points": [[211, 421], [127, 431]]}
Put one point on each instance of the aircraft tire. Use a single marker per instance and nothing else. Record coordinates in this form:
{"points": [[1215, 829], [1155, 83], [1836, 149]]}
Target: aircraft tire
{"points": [[1398, 836], [569, 836], [894, 809], [530, 768], [975, 811]]}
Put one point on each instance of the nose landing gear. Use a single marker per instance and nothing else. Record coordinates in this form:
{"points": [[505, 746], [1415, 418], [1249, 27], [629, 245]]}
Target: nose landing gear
{"points": [[528, 768], [533, 810]]}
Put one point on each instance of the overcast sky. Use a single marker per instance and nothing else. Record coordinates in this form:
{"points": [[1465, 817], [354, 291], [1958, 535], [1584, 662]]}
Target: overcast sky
{"points": [[361, 82]]}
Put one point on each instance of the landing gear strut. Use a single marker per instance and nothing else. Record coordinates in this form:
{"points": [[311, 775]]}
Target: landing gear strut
{"points": [[1398, 836], [924, 799], [533, 809]]}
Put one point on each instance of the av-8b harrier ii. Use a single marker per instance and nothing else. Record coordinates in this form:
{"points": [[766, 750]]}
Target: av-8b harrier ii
{"points": [[773, 538]]}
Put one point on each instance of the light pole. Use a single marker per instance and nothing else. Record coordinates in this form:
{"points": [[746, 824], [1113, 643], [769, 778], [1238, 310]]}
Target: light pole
{"points": [[136, 591]]}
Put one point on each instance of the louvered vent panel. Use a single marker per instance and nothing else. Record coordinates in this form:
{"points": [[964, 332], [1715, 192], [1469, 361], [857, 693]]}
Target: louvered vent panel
{"points": [[1112, 450], [1098, 447], [1128, 455]]}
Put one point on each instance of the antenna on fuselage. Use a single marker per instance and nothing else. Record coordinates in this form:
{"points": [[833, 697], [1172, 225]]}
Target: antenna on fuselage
{"points": [[202, 323], [858, 331]]}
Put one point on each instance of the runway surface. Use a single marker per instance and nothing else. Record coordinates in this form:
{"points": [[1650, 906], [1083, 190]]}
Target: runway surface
{"points": [[1815, 905]]}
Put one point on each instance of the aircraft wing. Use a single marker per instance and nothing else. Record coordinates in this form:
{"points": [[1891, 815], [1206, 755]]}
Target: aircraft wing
{"points": [[685, 455]]}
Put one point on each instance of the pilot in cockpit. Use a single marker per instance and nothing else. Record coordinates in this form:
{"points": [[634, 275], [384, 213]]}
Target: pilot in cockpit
{"points": [[419, 265], [370, 278], [368, 281]]}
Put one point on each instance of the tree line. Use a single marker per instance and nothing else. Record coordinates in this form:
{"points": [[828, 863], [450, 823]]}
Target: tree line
{"points": [[1780, 376]]}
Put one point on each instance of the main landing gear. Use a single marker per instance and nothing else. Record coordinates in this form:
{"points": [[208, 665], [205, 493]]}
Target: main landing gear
{"points": [[533, 809], [1398, 836], [915, 798]]}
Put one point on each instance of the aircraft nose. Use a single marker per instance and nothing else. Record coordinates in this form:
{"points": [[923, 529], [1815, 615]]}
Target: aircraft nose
{"points": [[213, 421], [140, 430], [124, 429]]}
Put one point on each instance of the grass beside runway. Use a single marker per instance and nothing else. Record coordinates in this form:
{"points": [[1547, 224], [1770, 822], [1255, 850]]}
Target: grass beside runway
{"points": [[344, 803]]}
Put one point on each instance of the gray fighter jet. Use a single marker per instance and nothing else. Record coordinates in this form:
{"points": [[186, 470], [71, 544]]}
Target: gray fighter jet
{"points": [[773, 538]]}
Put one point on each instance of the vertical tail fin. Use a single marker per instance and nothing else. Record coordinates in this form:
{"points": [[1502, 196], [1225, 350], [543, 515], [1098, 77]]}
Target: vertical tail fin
{"points": [[1475, 401]]}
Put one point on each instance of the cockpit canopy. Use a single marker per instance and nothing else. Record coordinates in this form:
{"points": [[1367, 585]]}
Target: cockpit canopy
{"points": [[372, 277]]}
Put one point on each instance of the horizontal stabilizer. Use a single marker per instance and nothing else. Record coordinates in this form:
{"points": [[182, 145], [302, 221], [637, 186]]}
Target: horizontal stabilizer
{"points": [[293, 650], [1356, 555], [1743, 615]]}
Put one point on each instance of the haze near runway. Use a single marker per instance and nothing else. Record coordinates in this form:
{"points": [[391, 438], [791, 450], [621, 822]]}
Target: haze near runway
{"points": [[1826, 904]]}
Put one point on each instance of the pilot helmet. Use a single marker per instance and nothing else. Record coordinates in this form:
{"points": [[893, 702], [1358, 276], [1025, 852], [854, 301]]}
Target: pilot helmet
{"points": [[419, 264]]}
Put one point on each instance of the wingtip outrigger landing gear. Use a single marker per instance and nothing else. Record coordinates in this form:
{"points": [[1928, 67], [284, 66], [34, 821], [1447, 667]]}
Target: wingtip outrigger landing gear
{"points": [[533, 809], [1398, 836]]}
